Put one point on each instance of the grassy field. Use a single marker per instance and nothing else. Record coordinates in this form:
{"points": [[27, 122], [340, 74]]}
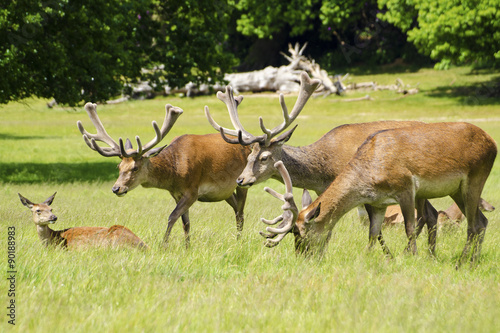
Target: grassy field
{"points": [[220, 284]]}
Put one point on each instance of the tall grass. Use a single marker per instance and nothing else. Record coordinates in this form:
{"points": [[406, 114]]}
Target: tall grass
{"points": [[220, 284]]}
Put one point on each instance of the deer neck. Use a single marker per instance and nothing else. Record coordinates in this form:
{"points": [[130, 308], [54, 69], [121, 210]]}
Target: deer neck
{"points": [[49, 236], [344, 194], [306, 167], [160, 171]]}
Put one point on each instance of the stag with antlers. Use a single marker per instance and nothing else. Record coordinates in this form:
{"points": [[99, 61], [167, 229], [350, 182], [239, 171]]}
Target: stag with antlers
{"points": [[404, 166], [311, 167], [191, 168]]}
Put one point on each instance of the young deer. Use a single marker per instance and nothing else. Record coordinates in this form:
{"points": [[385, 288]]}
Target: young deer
{"points": [[191, 168], [78, 237], [312, 167], [403, 166]]}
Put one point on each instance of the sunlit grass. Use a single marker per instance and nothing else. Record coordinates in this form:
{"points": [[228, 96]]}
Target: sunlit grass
{"points": [[221, 284]]}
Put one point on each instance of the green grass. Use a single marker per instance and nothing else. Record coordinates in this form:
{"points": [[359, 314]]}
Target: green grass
{"points": [[220, 284]]}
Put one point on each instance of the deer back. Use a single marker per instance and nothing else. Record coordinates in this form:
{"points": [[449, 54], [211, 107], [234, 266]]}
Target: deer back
{"points": [[202, 163], [430, 152], [85, 237], [316, 165]]}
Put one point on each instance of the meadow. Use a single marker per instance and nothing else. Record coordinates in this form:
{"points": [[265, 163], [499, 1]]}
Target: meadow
{"points": [[220, 284]]}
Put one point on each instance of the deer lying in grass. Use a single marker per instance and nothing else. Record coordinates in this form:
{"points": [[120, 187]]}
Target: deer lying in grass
{"points": [[312, 167], [78, 237], [401, 166], [452, 214], [192, 167]]}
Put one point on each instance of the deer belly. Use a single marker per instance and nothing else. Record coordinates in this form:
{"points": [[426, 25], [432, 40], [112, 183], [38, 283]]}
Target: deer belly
{"points": [[437, 187], [214, 192]]}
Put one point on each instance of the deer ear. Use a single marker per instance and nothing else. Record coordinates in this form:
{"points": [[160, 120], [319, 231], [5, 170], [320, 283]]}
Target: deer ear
{"points": [[314, 213], [25, 201], [306, 199], [128, 144], [50, 199]]}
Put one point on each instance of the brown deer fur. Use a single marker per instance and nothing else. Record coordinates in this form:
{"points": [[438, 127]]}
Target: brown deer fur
{"points": [[407, 166], [78, 237]]}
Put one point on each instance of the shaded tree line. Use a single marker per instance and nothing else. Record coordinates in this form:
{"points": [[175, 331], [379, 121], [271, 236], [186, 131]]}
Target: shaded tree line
{"points": [[75, 51]]}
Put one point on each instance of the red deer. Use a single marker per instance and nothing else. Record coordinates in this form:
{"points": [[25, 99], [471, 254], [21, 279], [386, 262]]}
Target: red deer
{"points": [[78, 237], [191, 168], [314, 166], [402, 166]]}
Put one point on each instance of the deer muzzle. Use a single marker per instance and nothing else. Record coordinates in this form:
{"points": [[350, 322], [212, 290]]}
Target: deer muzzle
{"points": [[119, 190], [245, 183]]}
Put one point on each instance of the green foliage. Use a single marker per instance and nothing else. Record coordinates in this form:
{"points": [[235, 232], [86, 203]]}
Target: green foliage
{"points": [[71, 50], [450, 31], [78, 51], [265, 18], [340, 32], [192, 43]]}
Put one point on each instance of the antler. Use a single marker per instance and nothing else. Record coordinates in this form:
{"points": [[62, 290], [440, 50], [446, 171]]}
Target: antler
{"points": [[102, 135], [290, 210], [121, 149], [307, 88]]}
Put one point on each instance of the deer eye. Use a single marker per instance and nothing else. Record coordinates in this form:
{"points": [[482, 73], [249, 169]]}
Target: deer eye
{"points": [[134, 169], [38, 211], [264, 157]]}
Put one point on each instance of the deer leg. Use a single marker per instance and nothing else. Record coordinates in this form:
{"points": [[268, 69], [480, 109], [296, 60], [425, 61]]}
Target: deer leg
{"points": [[186, 225], [182, 208], [427, 215], [376, 217], [407, 203], [476, 224], [237, 202]]}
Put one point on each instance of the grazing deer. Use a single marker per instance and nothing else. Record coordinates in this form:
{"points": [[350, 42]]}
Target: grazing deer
{"points": [[401, 166], [311, 167], [78, 237], [191, 168]]}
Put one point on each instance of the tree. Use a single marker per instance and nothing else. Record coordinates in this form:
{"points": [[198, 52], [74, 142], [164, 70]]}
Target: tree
{"points": [[342, 31], [192, 44], [71, 50], [449, 31], [77, 51]]}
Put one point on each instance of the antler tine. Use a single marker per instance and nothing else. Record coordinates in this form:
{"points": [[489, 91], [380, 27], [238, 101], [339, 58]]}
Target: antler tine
{"points": [[232, 103], [171, 115], [272, 242], [101, 135], [307, 88], [290, 211]]}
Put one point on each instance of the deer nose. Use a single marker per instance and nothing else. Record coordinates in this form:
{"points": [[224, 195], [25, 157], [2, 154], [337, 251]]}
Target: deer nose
{"points": [[115, 189], [240, 181], [54, 218]]}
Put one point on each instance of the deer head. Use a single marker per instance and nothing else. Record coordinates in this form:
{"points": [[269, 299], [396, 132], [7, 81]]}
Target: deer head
{"points": [[134, 164], [266, 148], [42, 212]]}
